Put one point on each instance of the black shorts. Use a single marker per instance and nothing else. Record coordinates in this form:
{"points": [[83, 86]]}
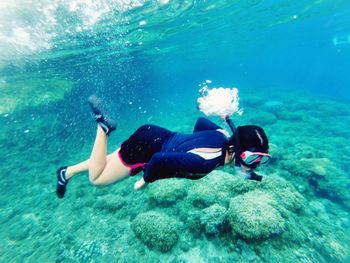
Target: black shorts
{"points": [[143, 143]]}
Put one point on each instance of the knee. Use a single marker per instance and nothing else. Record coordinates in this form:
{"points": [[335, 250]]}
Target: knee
{"points": [[93, 178], [96, 182], [92, 181]]}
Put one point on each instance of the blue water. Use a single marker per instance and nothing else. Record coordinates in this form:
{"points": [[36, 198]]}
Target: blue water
{"points": [[290, 61]]}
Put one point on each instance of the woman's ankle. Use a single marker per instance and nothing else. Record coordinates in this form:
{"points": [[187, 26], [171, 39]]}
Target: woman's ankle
{"points": [[69, 173]]}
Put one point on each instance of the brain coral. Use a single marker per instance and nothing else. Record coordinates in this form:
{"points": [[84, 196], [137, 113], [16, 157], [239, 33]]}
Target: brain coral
{"points": [[167, 192], [213, 188], [253, 216], [213, 218], [156, 230]]}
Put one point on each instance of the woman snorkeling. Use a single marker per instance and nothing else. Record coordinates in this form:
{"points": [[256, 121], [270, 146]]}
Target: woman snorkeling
{"points": [[160, 153]]}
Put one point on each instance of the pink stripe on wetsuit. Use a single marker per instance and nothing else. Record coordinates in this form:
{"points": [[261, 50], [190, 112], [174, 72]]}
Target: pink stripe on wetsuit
{"points": [[131, 166]]}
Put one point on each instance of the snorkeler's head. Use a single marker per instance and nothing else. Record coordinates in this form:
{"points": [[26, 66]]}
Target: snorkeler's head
{"points": [[253, 142], [252, 137], [250, 144]]}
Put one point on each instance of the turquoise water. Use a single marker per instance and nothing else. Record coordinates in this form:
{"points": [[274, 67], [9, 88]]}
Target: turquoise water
{"points": [[290, 61]]}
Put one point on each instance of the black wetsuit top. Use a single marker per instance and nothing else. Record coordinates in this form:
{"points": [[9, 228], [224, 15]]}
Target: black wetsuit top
{"points": [[174, 160]]}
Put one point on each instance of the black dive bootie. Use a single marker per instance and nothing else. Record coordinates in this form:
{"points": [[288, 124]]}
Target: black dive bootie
{"points": [[100, 116]]}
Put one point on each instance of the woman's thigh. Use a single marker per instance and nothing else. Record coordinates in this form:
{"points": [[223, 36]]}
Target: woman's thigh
{"points": [[114, 171]]}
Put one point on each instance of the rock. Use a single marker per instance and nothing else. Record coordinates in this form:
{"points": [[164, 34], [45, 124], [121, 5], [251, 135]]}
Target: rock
{"points": [[316, 165], [213, 218], [88, 251], [283, 193], [216, 187], [273, 105], [167, 192], [15, 94], [109, 203], [335, 249], [263, 118], [193, 223], [156, 230], [253, 216]]}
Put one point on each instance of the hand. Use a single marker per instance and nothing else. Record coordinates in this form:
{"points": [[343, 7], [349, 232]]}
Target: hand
{"points": [[139, 184]]}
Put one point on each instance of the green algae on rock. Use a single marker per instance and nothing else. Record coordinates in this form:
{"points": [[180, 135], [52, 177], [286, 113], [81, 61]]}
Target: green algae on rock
{"points": [[263, 118], [31, 91], [213, 188], [167, 192], [213, 218], [326, 178], [193, 223], [253, 216], [156, 230], [109, 203]]}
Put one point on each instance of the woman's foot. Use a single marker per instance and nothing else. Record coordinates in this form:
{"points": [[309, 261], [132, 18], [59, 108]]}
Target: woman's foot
{"points": [[62, 182], [100, 116]]}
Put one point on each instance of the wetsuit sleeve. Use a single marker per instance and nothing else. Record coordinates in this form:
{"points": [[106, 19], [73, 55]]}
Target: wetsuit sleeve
{"points": [[203, 124], [171, 164]]}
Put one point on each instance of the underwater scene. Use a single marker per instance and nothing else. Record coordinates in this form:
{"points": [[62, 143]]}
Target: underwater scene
{"points": [[148, 61]]}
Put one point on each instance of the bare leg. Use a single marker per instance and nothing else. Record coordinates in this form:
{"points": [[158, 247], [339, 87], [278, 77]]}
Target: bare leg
{"points": [[98, 158], [80, 167], [103, 169], [97, 163], [113, 172], [77, 168]]}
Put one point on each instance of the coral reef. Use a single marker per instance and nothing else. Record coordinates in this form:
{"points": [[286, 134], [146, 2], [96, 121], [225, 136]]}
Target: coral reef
{"points": [[323, 176], [167, 192], [23, 91], [87, 251], [253, 216], [213, 188], [110, 203], [263, 118], [193, 222], [156, 230], [298, 213], [213, 219]]}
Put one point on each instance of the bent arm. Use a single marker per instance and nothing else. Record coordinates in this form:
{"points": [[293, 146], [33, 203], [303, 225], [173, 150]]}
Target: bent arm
{"points": [[169, 164], [203, 124]]}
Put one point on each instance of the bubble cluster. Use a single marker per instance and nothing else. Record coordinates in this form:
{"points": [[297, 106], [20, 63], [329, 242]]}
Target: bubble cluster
{"points": [[219, 101]]}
